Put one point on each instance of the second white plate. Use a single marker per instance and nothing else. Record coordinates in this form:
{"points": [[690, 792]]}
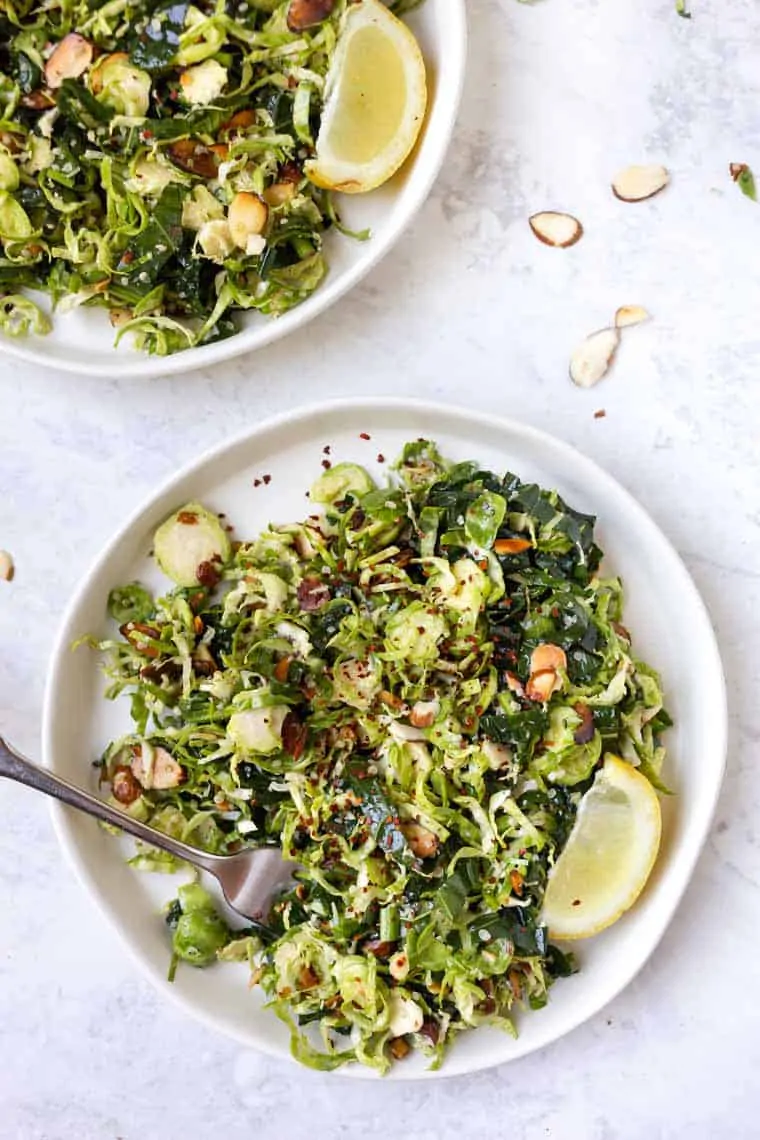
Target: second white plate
{"points": [[82, 340], [670, 627]]}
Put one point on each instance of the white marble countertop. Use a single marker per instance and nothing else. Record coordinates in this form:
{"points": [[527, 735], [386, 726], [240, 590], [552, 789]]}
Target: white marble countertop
{"points": [[471, 309]]}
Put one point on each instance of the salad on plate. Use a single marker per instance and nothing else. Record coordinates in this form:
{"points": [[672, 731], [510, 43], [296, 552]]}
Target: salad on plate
{"points": [[422, 692], [174, 162]]}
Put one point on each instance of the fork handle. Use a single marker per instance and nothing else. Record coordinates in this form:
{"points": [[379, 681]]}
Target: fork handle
{"points": [[16, 767]]}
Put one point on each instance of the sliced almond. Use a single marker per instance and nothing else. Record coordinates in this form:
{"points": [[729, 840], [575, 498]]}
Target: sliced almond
{"points": [[541, 685], [511, 545], [628, 315], [514, 684], [241, 120], [423, 713], [547, 656], [38, 100], [7, 569], [195, 157], [637, 183], [586, 729], [592, 358], [247, 217], [556, 229], [303, 14], [124, 786], [162, 772], [69, 60]]}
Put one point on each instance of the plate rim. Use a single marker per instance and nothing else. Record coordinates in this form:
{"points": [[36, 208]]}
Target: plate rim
{"points": [[684, 868], [277, 328]]}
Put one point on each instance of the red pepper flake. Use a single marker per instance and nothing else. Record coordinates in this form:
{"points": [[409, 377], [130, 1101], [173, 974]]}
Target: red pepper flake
{"points": [[147, 134], [257, 482], [127, 257], [266, 479], [555, 611], [600, 414], [364, 435], [326, 464], [381, 458], [326, 449]]}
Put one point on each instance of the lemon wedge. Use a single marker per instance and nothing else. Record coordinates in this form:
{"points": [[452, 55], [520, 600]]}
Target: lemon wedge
{"points": [[608, 856], [375, 100]]}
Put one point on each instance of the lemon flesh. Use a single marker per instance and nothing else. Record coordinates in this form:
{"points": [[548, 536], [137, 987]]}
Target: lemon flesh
{"points": [[608, 856], [375, 102]]}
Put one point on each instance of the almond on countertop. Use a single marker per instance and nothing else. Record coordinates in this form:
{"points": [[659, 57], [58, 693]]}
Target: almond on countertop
{"points": [[7, 569], [556, 229], [637, 183], [591, 359], [628, 315]]}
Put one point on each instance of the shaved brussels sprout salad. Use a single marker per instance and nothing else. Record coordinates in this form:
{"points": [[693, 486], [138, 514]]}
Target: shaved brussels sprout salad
{"points": [[409, 692], [151, 161]]}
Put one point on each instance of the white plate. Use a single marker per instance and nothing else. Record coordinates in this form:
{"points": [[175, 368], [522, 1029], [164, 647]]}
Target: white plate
{"points": [[670, 627], [82, 340]]}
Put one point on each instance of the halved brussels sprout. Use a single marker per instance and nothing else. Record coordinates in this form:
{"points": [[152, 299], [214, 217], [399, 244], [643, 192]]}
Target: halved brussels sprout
{"points": [[339, 481], [414, 632], [191, 547], [14, 222], [356, 682], [258, 730], [460, 587], [116, 82], [8, 171]]}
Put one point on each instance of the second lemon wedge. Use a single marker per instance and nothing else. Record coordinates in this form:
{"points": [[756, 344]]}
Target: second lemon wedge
{"points": [[608, 856], [375, 101]]}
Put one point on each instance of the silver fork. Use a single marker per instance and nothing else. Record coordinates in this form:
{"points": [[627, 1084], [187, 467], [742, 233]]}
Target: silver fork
{"points": [[249, 879]]}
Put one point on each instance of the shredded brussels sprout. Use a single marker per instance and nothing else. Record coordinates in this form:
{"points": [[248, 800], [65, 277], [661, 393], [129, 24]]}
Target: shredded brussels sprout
{"points": [[409, 693], [133, 138]]}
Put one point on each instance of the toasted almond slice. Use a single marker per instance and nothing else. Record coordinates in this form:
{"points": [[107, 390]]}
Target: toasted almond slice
{"points": [[547, 656], [628, 315], [7, 569], [637, 183], [514, 684], [162, 772], [541, 685], [592, 358], [511, 545], [303, 14], [194, 157], [556, 229], [423, 713], [69, 59]]}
